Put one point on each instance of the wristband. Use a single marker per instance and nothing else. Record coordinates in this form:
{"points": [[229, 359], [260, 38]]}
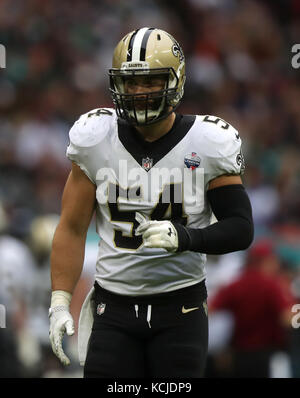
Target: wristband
{"points": [[60, 298]]}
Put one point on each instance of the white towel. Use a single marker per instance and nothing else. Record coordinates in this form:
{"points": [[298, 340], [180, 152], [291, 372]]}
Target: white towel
{"points": [[85, 324]]}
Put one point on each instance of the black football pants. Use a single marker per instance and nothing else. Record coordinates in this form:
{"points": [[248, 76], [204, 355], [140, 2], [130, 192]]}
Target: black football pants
{"points": [[162, 335]]}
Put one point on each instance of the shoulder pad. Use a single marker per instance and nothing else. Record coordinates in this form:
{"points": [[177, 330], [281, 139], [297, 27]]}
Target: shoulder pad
{"points": [[92, 127], [220, 138]]}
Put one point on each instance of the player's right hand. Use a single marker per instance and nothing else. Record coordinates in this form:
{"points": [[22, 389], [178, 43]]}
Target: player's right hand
{"points": [[61, 321]]}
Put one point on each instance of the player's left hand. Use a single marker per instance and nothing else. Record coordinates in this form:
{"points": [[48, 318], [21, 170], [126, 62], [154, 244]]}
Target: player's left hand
{"points": [[61, 321], [158, 234]]}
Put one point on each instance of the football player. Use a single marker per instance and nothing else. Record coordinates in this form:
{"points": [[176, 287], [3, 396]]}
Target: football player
{"points": [[154, 178]]}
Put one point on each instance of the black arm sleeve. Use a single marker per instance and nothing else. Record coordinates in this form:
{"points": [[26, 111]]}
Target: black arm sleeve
{"points": [[232, 232]]}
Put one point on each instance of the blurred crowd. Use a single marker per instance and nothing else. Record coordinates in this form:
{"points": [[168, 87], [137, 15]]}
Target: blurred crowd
{"points": [[238, 61]]}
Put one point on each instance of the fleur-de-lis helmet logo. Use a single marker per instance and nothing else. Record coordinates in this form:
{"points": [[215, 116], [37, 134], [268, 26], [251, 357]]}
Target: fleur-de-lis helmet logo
{"points": [[177, 51]]}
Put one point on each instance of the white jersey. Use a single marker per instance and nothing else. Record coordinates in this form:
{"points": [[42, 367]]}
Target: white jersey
{"points": [[166, 179]]}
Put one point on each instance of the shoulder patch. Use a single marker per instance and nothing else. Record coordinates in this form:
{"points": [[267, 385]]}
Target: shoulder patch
{"points": [[92, 127]]}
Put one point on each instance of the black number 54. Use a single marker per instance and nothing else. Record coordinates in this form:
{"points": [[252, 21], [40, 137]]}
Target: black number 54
{"points": [[159, 212], [216, 120]]}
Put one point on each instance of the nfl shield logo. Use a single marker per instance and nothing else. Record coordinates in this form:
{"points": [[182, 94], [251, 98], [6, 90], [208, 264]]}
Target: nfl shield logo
{"points": [[147, 163], [100, 308]]}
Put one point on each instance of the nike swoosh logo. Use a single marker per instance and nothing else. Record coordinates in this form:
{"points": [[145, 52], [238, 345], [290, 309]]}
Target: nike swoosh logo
{"points": [[186, 310]]}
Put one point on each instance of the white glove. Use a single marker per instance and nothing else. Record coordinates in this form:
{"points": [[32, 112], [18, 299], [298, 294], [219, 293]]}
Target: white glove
{"points": [[61, 321], [157, 234]]}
